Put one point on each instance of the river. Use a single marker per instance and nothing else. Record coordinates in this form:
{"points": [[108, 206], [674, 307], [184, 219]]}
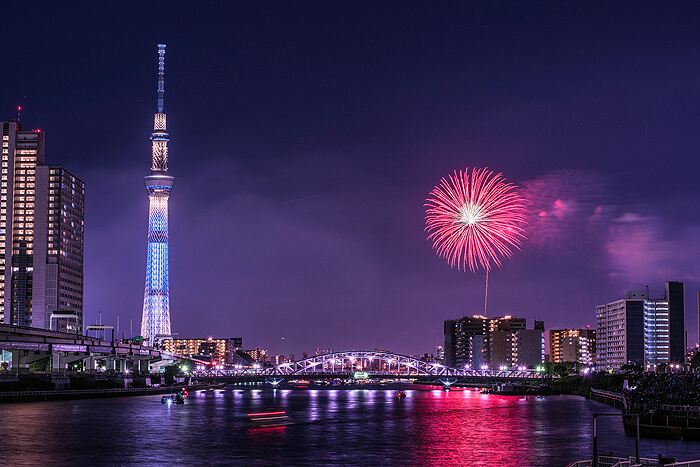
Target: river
{"points": [[330, 427]]}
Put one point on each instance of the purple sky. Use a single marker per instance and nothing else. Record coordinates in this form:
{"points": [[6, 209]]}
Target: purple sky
{"points": [[305, 138]]}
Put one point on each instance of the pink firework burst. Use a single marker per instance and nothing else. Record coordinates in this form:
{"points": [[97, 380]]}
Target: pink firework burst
{"points": [[474, 220]]}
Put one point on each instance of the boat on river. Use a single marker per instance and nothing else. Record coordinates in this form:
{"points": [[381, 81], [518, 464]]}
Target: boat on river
{"points": [[269, 419], [172, 399]]}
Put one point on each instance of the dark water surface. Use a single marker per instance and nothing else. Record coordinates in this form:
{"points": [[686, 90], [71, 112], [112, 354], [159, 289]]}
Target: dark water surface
{"points": [[332, 427]]}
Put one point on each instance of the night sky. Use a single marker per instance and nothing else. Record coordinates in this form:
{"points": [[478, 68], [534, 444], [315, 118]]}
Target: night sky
{"points": [[305, 138]]}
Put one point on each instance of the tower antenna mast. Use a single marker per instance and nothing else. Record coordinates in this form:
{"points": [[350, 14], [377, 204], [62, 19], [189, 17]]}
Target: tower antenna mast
{"points": [[161, 76]]}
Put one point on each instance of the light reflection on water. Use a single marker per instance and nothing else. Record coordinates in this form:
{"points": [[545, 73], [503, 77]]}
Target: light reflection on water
{"points": [[332, 427]]}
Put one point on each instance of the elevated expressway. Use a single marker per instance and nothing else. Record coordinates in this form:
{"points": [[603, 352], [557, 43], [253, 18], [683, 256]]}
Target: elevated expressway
{"points": [[30, 345]]}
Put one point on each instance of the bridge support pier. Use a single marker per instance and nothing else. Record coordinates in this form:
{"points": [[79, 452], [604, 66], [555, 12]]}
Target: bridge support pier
{"points": [[56, 365], [71, 357], [447, 383], [274, 382]]}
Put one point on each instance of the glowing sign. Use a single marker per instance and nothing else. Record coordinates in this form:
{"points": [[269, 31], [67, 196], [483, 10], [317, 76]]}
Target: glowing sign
{"points": [[361, 375]]}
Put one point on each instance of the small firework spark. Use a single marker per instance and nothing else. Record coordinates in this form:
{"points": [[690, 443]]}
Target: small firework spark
{"points": [[474, 220]]}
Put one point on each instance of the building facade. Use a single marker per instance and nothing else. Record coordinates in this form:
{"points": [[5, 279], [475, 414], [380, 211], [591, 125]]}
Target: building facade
{"points": [[42, 212], [656, 332], [572, 345], [664, 326], [674, 292], [464, 340], [528, 350], [620, 331]]}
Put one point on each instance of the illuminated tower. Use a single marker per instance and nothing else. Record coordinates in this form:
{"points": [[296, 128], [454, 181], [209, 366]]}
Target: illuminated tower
{"points": [[155, 323]]}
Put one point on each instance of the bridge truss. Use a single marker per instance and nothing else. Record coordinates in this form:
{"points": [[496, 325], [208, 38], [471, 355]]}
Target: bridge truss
{"points": [[374, 364]]}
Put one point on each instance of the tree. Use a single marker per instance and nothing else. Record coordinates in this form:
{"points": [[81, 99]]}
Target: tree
{"points": [[695, 361]]}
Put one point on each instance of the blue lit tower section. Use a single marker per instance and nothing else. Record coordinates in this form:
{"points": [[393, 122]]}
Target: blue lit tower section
{"points": [[155, 323]]}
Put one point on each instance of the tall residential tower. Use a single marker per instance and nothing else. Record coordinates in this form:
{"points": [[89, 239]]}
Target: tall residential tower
{"points": [[155, 323], [42, 212]]}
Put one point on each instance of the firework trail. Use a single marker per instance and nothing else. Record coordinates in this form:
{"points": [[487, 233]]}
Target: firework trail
{"points": [[475, 220]]}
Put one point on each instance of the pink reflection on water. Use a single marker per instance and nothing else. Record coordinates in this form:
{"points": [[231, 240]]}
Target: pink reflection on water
{"points": [[452, 429]]}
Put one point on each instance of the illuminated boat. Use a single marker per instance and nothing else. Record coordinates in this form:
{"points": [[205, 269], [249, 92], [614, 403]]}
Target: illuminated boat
{"points": [[172, 399], [269, 419], [400, 394]]}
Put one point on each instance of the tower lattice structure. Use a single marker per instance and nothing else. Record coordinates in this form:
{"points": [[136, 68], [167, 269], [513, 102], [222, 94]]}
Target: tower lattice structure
{"points": [[155, 323]]}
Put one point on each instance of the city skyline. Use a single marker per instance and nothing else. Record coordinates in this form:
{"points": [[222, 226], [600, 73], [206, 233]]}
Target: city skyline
{"points": [[308, 139]]}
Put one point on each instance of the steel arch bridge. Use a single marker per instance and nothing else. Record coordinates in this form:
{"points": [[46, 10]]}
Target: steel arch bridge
{"points": [[375, 364]]}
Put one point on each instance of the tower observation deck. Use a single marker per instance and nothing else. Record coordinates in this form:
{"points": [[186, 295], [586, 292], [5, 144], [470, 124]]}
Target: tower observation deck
{"points": [[155, 322]]}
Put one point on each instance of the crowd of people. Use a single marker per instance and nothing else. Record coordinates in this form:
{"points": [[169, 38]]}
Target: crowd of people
{"points": [[655, 388]]}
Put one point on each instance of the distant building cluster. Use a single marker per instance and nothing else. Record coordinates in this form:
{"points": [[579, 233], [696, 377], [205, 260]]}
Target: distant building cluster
{"points": [[639, 330], [222, 352], [219, 351], [42, 214], [480, 342], [635, 330]]}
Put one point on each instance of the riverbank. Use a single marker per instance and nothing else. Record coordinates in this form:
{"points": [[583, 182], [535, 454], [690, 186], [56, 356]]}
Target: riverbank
{"points": [[660, 421]]}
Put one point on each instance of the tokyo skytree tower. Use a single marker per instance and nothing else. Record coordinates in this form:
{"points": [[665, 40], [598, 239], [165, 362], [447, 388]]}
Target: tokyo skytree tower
{"points": [[155, 323]]}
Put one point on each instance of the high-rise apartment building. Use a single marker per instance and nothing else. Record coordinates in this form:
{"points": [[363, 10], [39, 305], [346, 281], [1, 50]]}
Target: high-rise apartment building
{"points": [[528, 350], [511, 344], [41, 236], [674, 292], [639, 330], [465, 340], [620, 331], [664, 326], [572, 345], [656, 336]]}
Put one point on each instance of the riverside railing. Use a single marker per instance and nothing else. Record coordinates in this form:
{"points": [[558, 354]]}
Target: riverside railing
{"points": [[611, 395], [691, 411], [608, 461]]}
